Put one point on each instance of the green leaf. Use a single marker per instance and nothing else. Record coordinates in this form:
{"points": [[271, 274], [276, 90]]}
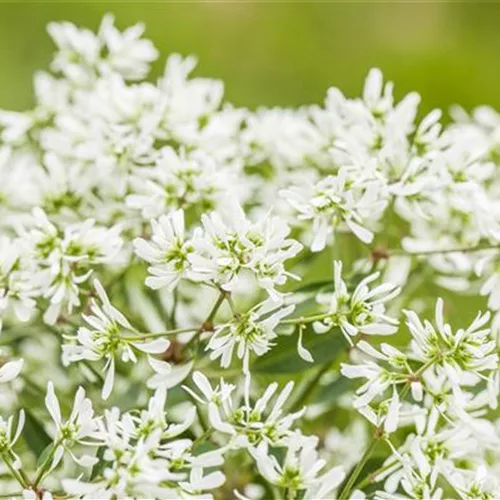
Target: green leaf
{"points": [[315, 286], [34, 434], [283, 358], [43, 456], [331, 392]]}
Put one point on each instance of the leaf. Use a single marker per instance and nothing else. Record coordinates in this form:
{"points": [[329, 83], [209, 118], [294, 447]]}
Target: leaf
{"points": [[331, 392], [315, 286], [283, 358], [45, 453], [34, 434]]}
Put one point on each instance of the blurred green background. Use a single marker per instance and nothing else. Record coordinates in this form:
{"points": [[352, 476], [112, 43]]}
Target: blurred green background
{"points": [[279, 53]]}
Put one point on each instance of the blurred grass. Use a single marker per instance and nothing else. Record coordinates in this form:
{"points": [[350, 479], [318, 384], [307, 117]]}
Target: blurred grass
{"points": [[286, 53]]}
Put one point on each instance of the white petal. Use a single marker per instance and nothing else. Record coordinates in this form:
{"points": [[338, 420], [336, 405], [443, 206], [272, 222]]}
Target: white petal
{"points": [[11, 370]]}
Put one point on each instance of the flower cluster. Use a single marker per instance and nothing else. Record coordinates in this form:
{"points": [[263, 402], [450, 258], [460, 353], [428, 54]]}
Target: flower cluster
{"points": [[268, 271]]}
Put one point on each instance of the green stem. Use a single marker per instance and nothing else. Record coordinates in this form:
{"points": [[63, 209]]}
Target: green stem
{"points": [[207, 324], [171, 319], [400, 251], [371, 478], [147, 336], [24, 476], [46, 464], [17, 475], [344, 495], [216, 307]]}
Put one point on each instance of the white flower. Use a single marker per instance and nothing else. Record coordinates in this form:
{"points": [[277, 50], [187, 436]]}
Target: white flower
{"points": [[248, 424], [105, 339], [167, 252], [471, 485], [154, 418], [217, 399], [193, 182], [231, 245], [250, 332], [284, 137], [64, 261], [188, 101], [17, 288], [83, 55], [126, 52], [80, 425], [336, 202], [362, 311], [300, 468], [455, 354], [8, 436], [256, 425]]}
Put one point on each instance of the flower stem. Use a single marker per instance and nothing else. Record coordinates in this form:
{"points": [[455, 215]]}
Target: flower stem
{"points": [[223, 295], [400, 251], [146, 336], [344, 495], [372, 477], [45, 465], [17, 474]]}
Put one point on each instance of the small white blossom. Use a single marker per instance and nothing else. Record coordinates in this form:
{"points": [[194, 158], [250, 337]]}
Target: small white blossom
{"points": [[334, 202], [105, 340], [248, 333], [300, 469], [167, 252], [80, 425], [234, 244], [362, 311]]}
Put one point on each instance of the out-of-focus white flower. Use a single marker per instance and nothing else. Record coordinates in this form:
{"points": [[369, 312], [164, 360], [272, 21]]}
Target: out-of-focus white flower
{"points": [[17, 288], [347, 446], [336, 202], [9, 436], [479, 484], [191, 181], [83, 55]]}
